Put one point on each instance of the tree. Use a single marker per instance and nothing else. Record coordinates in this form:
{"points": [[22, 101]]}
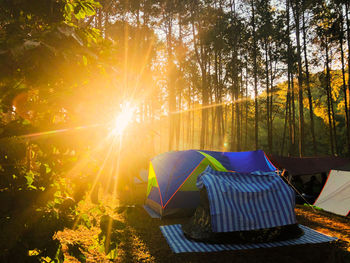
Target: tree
{"points": [[296, 6]]}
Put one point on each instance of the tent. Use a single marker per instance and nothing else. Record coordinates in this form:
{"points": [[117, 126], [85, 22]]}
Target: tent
{"points": [[172, 176], [335, 195], [242, 207]]}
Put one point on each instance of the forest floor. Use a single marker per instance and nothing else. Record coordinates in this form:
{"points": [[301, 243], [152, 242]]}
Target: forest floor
{"points": [[137, 238]]}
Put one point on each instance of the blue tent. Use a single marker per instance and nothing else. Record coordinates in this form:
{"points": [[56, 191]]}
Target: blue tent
{"points": [[173, 175]]}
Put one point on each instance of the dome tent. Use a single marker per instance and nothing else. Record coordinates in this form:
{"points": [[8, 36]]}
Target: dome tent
{"points": [[243, 207], [172, 176]]}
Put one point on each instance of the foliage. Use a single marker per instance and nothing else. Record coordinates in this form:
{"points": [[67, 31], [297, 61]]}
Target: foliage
{"points": [[46, 52]]}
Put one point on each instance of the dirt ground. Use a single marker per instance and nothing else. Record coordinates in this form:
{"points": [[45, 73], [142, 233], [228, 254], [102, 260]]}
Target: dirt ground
{"points": [[140, 240]]}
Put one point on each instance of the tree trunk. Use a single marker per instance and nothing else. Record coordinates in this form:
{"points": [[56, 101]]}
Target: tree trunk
{"points": [[246, 108], [347, 11], [307, 81], [213, 121], [238, 119], [329, 101], [178, 116], [189, 123], [347, 5], [255, 79], [271, 102], [232, 125], [218, 71], [293, 116], [209, 90], [267, 96], [285, 119], [171, 86], [300, 79], [341, 38], [204, 111], [193, 125], [290, 117]]}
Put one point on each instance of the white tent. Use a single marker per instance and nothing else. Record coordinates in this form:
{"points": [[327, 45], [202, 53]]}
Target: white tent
{"points": [[335, 195]]}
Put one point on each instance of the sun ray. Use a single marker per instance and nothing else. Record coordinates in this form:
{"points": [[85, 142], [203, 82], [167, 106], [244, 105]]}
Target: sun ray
{"points": [[96, 180], [52, 132]]}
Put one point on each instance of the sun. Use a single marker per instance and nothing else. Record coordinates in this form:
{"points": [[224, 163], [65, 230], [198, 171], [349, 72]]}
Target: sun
{"points": [[123, 119]]}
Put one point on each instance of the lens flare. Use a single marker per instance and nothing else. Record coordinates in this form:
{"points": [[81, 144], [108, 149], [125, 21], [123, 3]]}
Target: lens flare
{"points": [[123, 119]]}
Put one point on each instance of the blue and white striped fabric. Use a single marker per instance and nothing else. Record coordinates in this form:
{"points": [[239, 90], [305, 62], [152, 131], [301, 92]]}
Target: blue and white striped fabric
{"points": [[180, 244], [247, 201]]}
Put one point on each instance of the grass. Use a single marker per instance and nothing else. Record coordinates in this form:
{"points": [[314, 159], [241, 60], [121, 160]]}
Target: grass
{"points": [[139, 239]]}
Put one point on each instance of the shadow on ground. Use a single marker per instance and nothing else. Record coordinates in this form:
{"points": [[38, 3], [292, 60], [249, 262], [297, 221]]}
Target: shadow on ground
{"points": [[144, 242]]}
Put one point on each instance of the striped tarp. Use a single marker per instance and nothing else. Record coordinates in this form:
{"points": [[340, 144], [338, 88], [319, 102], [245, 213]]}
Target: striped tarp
{"points": [[247, 201], [180, 244]]}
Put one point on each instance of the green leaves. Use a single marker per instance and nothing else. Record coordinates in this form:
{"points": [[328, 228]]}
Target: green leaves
{"points": [[85, 220], [80, 9], [313, 207], [30, 179], [69, 9], [47, 168]]}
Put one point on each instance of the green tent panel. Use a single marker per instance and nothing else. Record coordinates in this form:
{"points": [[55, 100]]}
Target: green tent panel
{"points": [[190, 183]]}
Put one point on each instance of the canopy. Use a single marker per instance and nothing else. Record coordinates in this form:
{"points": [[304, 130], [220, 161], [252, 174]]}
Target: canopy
{"points": [[307, 165]]}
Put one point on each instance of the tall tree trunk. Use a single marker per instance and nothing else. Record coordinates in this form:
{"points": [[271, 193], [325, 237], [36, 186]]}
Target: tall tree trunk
{"points": [[293, 116], [218, 71], [238, 119], [204, 111], [333, 121], [213, 121], [307, 81], [267, 95], [290, 117], [241, 106], [255, 66], [271, 101], [331, 104], [300, 78], [171, 86], [209, 93], [227, 109], [347, 11], [341, 39], [246, 108], [287, 115], [202, 61], [189, 123], [232, 147], [193, 126], [347, 6], [329, 100], [178, 117]]}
